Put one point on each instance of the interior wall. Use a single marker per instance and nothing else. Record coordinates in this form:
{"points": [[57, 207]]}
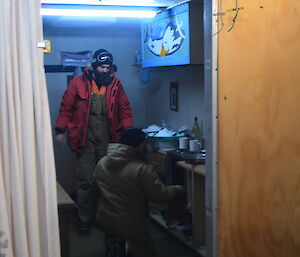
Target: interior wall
{"points": [[122, 43], [150, 101], [190, 79], [259, 124]]}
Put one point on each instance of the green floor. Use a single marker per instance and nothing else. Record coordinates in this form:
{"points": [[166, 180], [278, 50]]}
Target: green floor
{"points": [[92, 244]]}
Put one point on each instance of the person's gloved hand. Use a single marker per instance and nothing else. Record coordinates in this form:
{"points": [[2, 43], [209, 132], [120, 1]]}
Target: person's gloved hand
{"points": [[60, 139], [179, 190]]}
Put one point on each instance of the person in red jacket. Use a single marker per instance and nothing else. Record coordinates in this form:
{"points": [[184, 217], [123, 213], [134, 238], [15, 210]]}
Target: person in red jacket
{"points": [[94, 111]]}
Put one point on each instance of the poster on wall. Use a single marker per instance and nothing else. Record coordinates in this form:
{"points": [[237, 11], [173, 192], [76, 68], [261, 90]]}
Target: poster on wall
{"points": [[165, 38]]}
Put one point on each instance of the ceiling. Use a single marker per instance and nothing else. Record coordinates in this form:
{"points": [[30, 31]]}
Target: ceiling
{"points": [[156, 3], [64, 25], [84, 26]]}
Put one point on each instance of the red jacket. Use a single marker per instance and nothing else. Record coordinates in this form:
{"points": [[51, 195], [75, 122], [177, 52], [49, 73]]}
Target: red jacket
{"points": [[75, 109]]}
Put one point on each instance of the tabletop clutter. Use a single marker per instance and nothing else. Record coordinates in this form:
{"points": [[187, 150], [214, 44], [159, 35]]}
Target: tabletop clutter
{"points": [[182, 140]]}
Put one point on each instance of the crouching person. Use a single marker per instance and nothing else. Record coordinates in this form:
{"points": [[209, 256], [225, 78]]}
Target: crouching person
{"points": [[127, 182]]}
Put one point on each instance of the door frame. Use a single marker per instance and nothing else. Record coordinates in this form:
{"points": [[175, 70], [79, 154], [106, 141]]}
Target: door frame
{"points": [[211, 125]]}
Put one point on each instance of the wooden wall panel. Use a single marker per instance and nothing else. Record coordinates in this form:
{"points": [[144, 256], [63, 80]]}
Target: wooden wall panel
{"points": [[259, 130]]}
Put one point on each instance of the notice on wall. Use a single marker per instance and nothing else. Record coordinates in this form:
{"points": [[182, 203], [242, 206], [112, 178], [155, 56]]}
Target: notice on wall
{"points": [[165, 38]]}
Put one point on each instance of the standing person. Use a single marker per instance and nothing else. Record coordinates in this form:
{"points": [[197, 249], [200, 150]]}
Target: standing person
{"points": [[127, 181], [93, 111]]}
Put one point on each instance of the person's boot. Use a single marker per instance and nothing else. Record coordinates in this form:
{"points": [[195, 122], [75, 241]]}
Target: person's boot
{"points": [[84, 226]]}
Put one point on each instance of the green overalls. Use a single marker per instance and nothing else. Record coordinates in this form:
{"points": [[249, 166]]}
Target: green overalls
{"points": [[98, 138]]}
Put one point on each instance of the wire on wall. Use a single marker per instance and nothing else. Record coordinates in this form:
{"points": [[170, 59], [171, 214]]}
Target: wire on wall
{"points": [[220, 15], [236, 15]]}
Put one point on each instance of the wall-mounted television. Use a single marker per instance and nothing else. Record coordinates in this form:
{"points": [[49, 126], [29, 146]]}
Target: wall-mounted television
{"points": [[168, 39]]}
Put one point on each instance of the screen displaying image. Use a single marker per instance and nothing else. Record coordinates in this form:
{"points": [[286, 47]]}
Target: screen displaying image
{"points": [[165, 38]]}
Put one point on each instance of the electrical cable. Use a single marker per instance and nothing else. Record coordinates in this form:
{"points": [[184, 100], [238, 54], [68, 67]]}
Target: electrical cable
{"points": [[236, 15], [220, 14]]}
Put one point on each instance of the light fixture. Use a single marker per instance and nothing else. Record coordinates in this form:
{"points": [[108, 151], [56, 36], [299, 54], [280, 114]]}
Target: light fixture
{"points": [[106, 2], [98, 13], [84, 2]]}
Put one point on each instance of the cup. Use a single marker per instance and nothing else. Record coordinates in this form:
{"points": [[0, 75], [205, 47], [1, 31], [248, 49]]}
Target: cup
{"points": [[194, 145], [183, 143]]}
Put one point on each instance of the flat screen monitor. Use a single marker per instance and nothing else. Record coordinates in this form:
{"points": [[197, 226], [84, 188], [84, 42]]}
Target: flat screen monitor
{"points": [[166, 39]]}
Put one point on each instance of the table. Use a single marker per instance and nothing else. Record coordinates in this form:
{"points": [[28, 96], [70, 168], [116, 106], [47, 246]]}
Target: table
{"points": [[66, 207]]}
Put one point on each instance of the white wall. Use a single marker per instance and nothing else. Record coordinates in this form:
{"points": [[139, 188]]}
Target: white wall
{"points": [[190, 79]]}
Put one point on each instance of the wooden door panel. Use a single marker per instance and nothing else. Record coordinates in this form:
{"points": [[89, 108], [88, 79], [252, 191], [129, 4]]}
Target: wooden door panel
{"points": [[259, 130]]}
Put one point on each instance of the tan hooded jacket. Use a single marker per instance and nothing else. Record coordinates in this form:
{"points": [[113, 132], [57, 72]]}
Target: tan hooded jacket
{"points": [[127, 182]]}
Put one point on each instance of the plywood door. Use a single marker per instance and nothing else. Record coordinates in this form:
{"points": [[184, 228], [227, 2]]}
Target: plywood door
{"points": [[259, 129]]}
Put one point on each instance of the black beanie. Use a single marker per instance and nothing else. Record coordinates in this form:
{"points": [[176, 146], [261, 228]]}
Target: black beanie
{"points": [[102, 56], [132, 136]]}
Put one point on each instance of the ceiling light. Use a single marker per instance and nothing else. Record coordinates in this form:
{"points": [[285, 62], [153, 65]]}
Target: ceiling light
{"points": [[106, 2], [85, 2], [98, 13]]}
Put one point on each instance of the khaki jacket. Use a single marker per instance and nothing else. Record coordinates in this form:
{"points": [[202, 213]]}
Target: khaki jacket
{"points": [[127, 182]]}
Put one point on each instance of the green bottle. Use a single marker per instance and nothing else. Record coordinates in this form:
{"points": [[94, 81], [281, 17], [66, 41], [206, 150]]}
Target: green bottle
{"points": [[196, 130]]}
